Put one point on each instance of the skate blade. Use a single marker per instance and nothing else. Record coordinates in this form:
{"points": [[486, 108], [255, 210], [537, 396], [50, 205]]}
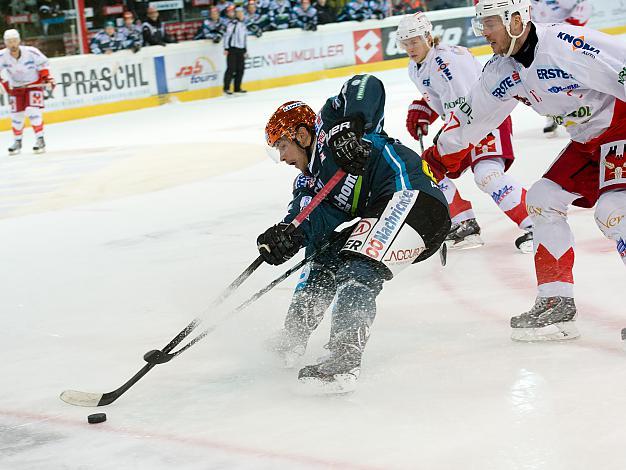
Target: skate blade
{"points": [[564, 331], [342, 383], [11, 154], [39, 151], [469, 242], [526, 247]]}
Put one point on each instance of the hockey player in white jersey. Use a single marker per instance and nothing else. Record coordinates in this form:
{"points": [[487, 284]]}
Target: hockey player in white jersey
{"points": [[577, 75], [443, 75], [574, 12], [25, 73]]}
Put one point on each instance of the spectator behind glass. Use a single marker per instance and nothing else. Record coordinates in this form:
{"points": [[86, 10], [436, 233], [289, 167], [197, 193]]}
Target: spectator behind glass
{"points": [[222, 5], [154, 30], [280, 14], [131, 32], [256, 22], [355, 10], [305, 16], [49, 14], [379, 9], [325, 14], [212, 28], [107, 41], [404, 7]]}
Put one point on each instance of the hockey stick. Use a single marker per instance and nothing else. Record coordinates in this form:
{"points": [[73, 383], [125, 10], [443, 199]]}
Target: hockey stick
{"points": [[443, 249], [75, 397], [263, 291]]}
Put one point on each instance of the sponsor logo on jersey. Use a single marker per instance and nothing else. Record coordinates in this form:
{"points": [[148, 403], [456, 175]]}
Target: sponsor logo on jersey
{"points": [[559, 89], [506, 84], [547, 74], [404, 255], [318, 123], [580, 113], [443, 68], [303, 181], [305, 201], [498, 196], [386, 233], [579, 43], [361, 91], [342, 199], [452, 104], [621, 77], [621, 247], [426, 81]]}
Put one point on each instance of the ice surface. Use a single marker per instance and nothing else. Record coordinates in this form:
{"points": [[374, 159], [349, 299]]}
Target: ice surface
{"points": [[131, 223]]}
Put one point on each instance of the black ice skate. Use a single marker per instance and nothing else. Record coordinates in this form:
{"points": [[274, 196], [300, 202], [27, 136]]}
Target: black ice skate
{"points": [[336, 374], [550, 319], [464, 235], [16, 148], [550, 127], [40, 145], [338, 371], [524, 243]]}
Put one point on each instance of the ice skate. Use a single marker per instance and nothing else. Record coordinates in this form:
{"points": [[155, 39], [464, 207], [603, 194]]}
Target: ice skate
{"points": [[288, 347], [550, 128], [16, 148], [464, 235], [524, 243], [40, 145], [336, 374], [550, 319]]}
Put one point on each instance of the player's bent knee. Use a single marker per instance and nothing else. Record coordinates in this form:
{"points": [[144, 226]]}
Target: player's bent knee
{"points": [[610, 214], [488, 171], [544, 203]]}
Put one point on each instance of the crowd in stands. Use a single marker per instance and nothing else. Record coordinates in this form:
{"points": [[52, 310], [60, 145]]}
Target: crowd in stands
{"points": [[259, 16]]}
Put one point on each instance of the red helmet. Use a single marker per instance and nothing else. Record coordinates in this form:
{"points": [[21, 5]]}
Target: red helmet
{"points": [[286, 120]]}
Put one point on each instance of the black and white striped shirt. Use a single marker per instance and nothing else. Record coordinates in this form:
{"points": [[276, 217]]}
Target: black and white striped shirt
{"points": [[235, 35]]}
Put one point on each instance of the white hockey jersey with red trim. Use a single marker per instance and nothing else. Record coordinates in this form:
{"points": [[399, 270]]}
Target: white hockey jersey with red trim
{"points": [[560, 11], [577, 75], [26, 69], [445, 76]]}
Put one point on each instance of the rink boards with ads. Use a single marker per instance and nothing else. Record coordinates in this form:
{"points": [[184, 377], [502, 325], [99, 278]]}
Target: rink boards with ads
{"points": [[91, 85]]}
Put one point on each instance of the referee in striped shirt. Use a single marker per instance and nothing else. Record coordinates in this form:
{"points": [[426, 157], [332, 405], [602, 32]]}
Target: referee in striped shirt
{"points": [[235, 49]]}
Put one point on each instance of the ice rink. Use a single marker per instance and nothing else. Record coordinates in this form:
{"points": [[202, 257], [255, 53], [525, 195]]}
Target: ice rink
{"points": [[132, 223]]}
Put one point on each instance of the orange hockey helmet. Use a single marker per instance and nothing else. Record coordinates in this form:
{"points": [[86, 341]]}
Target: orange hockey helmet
{"points": [[287, 119]]}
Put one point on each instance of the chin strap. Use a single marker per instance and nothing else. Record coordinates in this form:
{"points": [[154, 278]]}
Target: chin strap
{"points": [[513, 39], [309, 149]]}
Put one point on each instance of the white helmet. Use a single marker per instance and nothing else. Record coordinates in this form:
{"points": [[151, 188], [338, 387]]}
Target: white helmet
{"points": [[412, 26], [504, 9], [11, 34]]}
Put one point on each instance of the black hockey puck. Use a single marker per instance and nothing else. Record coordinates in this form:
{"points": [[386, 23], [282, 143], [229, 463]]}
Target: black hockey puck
{"points": [[97, 418]]}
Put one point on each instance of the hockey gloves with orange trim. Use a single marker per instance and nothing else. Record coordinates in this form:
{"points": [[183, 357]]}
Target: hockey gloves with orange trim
{"points": [[419, 117], [276, 245], [349, 149]]}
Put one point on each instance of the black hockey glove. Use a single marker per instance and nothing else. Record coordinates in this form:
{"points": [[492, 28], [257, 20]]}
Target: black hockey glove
{"points": [[277, 246], [349, 149]]}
